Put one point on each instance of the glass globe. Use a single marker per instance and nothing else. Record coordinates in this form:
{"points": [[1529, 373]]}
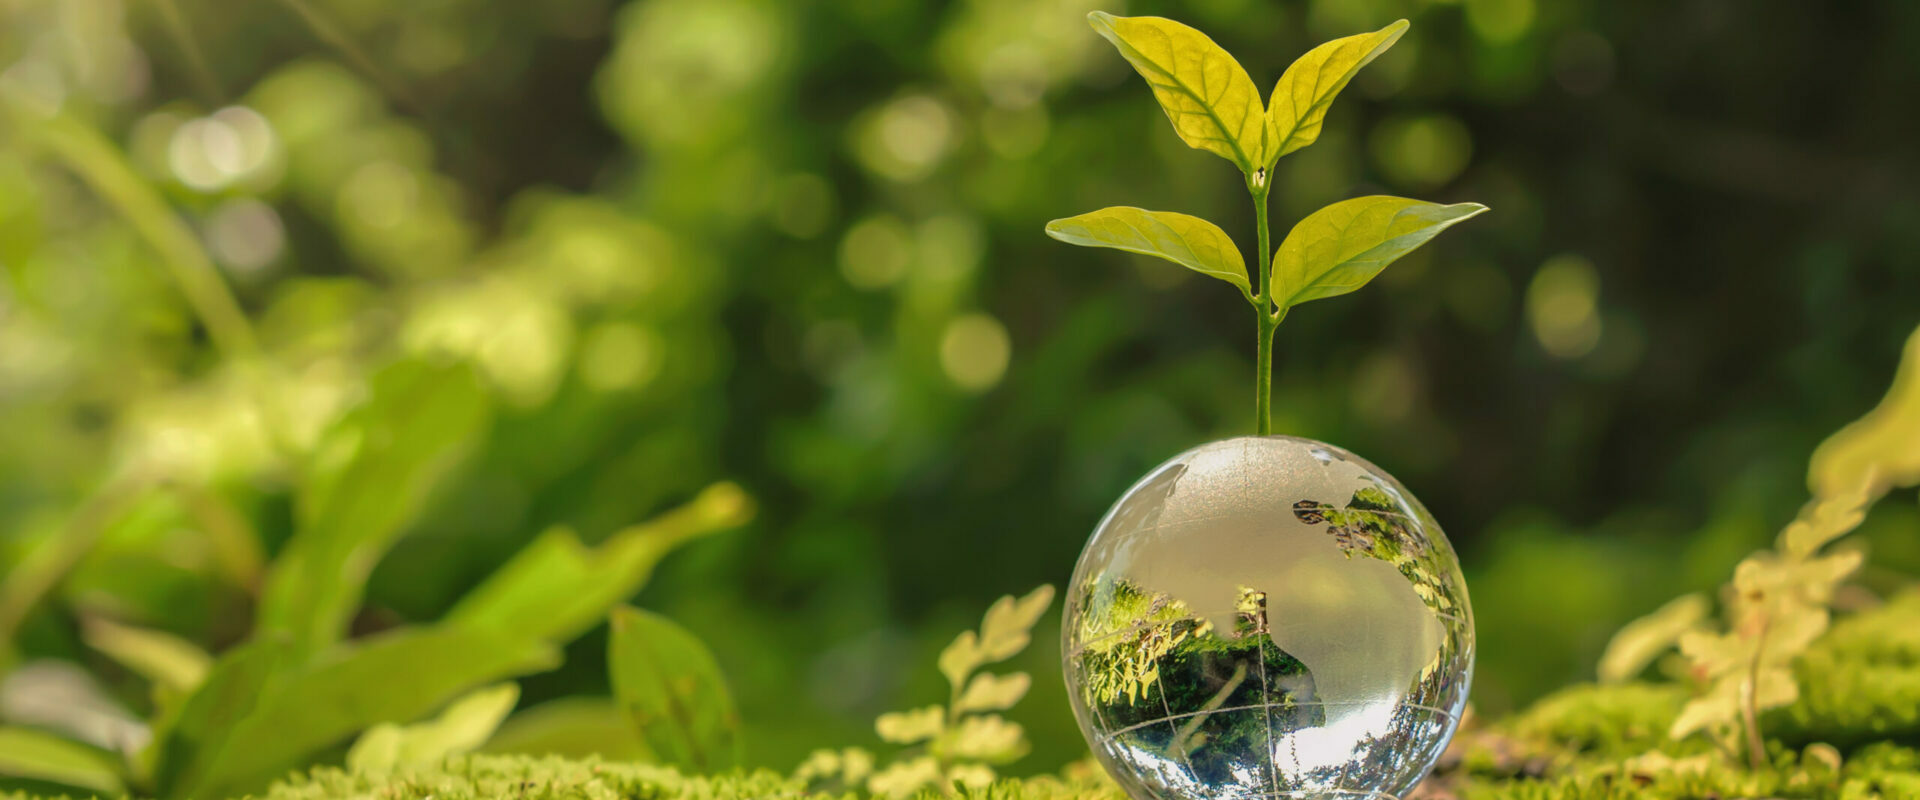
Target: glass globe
{"points": [[1267, 617]]}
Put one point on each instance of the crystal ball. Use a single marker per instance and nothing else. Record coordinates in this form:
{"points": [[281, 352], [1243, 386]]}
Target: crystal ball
{"points": [[1267, 617]]}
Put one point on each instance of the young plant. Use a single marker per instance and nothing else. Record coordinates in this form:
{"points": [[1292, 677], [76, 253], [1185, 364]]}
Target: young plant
{"points": [[1780, 600], [1215, 107], [957, 744]]}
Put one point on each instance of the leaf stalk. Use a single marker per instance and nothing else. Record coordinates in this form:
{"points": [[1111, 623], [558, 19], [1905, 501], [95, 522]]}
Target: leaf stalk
{"points": [[1265, 315]]}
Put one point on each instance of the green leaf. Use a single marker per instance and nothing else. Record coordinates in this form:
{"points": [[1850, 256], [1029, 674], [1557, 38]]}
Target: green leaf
{"points": [[1880, 450], [672, 689], [1306, 90], [575, 727], [1191, 242], [397, 676], [556, 588], [461, 728], [38, 756], [960, 658], [911, 727], [1212, 103], [993, 692], [171, 663], [988, 738], [376, 469], [1008, 625], [187, 739], [1339, 248], [1640, 641]]}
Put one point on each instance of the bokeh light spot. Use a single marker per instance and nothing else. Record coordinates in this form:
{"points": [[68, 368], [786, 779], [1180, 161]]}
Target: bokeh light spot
{"points": [[1500, 21], [803, 205], [1563, 306], [974, 351], [617, 356], [1422, 152], [245, 235], [379, 195], [907, 138], [875, 252]]}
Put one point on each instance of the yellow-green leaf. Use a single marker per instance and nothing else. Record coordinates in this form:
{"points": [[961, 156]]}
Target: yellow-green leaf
{"points": [[960, 658], [908, 727], [1339, 248], [1006, 629], [988, 692], [1880, 450], [461, 728], [1636, 645], [37, 755], [174, 665], [988, 738], [1212, 103], [1189, 241], [1306, 90], [904, 777]]}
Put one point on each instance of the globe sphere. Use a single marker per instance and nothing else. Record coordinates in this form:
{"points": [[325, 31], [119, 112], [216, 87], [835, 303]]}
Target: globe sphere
{"points": [[1267, 617]]}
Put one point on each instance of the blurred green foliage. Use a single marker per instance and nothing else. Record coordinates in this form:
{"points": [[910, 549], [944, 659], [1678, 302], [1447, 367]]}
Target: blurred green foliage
{"points": [[615, 252]]}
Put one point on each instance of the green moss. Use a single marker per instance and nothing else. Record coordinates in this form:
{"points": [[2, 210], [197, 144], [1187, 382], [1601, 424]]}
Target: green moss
{"points": [[1861, 682], [530, 778], [1621, 721]]}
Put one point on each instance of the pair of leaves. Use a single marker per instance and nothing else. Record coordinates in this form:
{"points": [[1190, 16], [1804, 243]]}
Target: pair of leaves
{"points": [[1212, 102], [672, 689], [1332, 252]]}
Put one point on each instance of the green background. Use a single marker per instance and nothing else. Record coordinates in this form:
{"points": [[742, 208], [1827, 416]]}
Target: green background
{"points": [[798, 245]]}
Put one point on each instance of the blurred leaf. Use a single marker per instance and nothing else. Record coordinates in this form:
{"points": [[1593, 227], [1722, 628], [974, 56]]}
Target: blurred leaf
{"points": [[1822, 521], [1339, 248], [39, 756], [396, 676], [993, 692], [373, 473], [50, 561], [989, 738], [1191, 242], [1772, 687], [672, 689], [910, 727], [235, 544], [1305, 92], [575, 727], [960, 658], [556, 588], [904, 777], [186, 740], [1212, 103], [463, 727], [1008, 626], [1880, 450], [171, 663], [1640, 641]]}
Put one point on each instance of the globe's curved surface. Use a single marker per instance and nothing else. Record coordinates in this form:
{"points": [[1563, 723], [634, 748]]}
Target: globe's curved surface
{"points": [[1268, 617]]}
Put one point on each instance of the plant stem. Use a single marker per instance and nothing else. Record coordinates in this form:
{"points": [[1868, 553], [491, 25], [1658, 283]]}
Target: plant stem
{"points": [[1264, 314], [1750, 702]]}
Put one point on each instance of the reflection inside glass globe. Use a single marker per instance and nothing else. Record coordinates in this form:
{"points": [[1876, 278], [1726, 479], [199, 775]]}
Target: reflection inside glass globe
{"points": [[1268, 617]]}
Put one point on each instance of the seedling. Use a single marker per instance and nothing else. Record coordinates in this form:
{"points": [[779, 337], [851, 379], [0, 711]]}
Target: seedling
{"points": [[1215, 107]]}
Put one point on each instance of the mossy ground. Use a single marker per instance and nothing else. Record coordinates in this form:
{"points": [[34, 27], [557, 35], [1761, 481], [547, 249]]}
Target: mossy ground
{"points": [[1851, 736]]}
